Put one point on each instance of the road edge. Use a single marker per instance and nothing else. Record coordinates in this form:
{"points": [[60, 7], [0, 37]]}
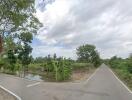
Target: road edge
{"points": [[91, 76], [10, 92], [120, 81]]}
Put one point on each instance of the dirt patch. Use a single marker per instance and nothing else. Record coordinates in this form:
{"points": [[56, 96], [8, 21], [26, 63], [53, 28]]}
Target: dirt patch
{"points": [[6, 96], [81, 75]]}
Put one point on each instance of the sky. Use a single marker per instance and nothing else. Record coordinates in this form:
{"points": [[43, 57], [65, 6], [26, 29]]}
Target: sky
{"points": [[67, 24]]}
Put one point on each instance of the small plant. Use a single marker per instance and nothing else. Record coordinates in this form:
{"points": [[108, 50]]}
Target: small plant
{"points": [[60, 69]]}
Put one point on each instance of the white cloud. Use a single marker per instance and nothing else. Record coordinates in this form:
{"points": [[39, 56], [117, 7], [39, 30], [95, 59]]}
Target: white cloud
{"points": [[70, 23]]}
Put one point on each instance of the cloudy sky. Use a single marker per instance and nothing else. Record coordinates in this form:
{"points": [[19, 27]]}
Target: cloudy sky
{"points": [[107, 24]]}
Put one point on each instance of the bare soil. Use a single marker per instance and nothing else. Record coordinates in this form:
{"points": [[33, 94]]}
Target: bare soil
{"points": [[81, 75]]}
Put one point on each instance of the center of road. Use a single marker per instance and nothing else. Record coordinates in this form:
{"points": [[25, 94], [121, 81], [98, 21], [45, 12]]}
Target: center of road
{"points": [[30, 85]]}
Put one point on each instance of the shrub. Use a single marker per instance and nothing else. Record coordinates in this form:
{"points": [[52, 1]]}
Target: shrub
{"points": [[123, 68], [59, 70]]}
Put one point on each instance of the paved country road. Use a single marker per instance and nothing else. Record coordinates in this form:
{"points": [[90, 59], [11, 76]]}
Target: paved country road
{"points": [[102, 85]]}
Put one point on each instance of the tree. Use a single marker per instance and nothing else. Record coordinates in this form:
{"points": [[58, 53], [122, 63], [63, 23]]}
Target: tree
{"points": [[17, 20], [16, 16], [88, 53], [10, 49], [54, 56], [24, 51], [96, 59], [11, 59]]}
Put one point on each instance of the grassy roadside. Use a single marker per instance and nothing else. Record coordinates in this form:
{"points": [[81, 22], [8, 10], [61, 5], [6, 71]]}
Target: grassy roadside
{"points": [[124, 76], [6, 96], [122, 68]]}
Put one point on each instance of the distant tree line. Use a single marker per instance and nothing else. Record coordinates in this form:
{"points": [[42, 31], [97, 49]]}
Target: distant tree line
{"points": [[46, 58]]}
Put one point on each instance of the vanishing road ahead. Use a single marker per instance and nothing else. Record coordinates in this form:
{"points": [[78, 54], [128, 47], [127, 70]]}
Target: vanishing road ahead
{"points": [[103, 85]]}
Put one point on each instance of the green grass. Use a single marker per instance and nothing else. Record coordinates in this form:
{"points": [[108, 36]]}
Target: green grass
{"points": [[124, 76], [123, 69]]}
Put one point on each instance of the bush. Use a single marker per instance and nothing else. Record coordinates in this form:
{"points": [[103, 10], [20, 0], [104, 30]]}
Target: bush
{"points": [[125, 76], [123, 68], [129, 66], [58, 70]]}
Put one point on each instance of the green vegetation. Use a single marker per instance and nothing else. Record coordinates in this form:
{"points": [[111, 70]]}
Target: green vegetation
{"points": [[123, 68], [60, 69], [18, 24], [52, 68], [88, 53]]}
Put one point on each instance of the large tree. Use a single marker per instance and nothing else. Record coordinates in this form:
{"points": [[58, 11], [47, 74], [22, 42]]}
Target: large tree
{"points": [[16, 17], [88, 53], [18, 24]]}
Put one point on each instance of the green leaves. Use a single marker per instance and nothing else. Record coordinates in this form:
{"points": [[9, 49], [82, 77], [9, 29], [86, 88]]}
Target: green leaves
{"points": [[84, 52], [60, 69], [14, 13], [123, 68], [87, 53], [11, 57], [26, 37], [18, 25], [24, 54], [18, 16]]}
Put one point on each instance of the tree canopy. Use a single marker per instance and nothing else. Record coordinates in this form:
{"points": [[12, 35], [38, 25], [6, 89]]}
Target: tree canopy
{"points": [[18, 24], [88, 53], [17, 19], [16, 15]]}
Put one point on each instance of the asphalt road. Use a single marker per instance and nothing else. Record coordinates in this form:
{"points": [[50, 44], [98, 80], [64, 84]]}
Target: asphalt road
{"points": [[102, 85]]}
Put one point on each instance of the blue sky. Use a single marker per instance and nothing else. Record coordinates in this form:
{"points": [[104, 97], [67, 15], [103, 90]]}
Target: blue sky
{"points": [[67, 24]]}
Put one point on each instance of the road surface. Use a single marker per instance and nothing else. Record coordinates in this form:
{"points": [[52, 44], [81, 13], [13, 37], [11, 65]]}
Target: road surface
{"points": [[102, 85]]}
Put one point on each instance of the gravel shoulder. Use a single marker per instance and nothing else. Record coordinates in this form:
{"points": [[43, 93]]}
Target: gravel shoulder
{"points": [[6, 96]]}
